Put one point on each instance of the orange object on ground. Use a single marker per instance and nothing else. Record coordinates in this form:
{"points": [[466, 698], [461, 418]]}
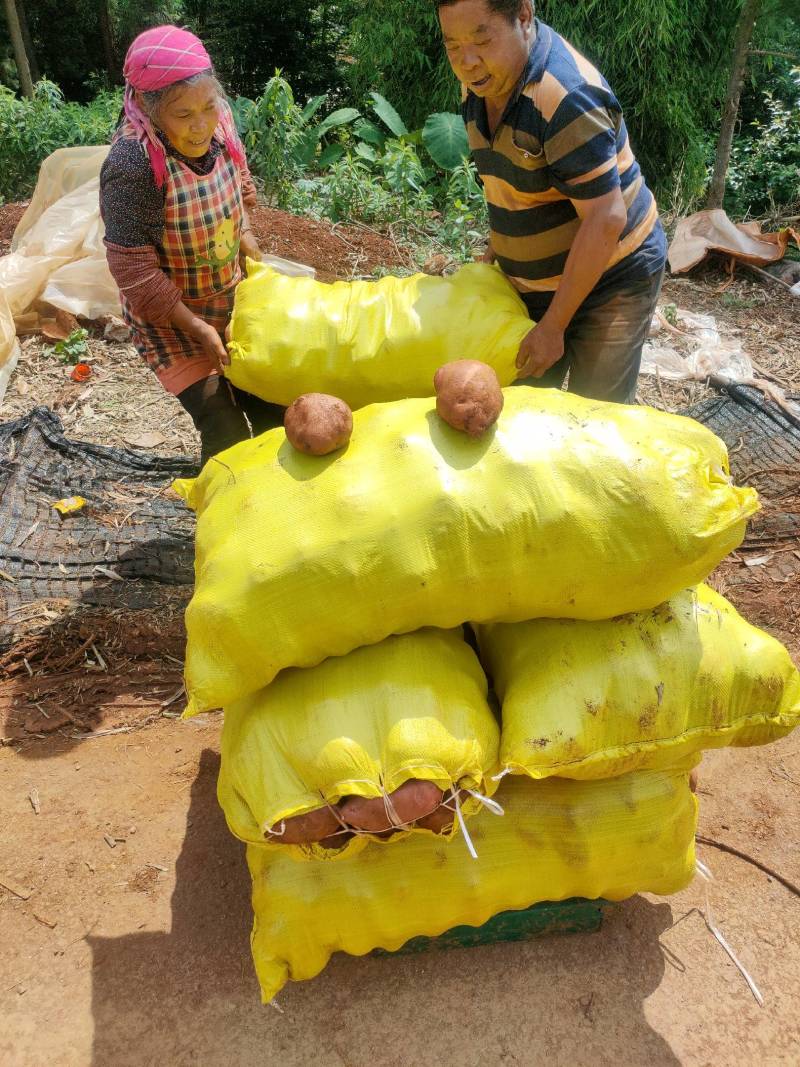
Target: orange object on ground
{"points": [[80, 372]]}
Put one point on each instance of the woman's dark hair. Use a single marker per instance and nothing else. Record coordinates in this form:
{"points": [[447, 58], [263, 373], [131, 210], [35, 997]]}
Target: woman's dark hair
{"points": [[509, 9]]}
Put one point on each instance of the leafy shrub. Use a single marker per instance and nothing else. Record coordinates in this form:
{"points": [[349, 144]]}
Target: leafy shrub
{"points": [[369, 168], [764, 172], [31, 129]]}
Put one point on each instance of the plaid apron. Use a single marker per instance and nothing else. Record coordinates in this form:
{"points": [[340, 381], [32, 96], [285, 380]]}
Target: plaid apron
{"points": [[199, 253]]}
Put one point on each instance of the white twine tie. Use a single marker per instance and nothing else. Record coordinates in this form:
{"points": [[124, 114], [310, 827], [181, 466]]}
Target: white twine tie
{"points": [[708, 917]]}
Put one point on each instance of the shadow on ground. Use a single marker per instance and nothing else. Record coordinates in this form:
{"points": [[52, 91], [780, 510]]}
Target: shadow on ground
{"points": [[190, 996]]}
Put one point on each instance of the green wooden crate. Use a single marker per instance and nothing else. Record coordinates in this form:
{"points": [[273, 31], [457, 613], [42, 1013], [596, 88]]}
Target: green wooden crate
{"points": [[574, 916]]}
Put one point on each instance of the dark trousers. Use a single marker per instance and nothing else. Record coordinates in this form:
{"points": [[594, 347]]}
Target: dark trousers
{"points": [[223, 414], [603, 345]]}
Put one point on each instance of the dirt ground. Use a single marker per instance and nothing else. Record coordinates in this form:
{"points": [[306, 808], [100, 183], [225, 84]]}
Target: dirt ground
{"points": [[124, 910]]}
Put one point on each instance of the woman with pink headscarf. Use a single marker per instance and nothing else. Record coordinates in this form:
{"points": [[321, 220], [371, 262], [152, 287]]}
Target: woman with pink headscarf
{"points": [[173, 192]]}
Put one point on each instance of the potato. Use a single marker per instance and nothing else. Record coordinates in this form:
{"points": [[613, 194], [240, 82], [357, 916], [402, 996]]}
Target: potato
{"points": [[304, 829], [468, 396], [317, 424], [442, 818], [437, 821], [411, 801], [335, 841]]}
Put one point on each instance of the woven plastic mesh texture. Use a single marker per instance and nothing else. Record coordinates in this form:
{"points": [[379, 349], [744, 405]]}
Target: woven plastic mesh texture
{"points": [[128, 526]]}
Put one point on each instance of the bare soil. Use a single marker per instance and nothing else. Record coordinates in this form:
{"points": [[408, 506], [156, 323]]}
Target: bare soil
{"points": [[124, 901], [336, 251], [132, 948], [10, 214]]}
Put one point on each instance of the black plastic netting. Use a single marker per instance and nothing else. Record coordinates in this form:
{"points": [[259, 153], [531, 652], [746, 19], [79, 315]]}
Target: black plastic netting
{"points": [[128, 535], [764, 446], [758, 433]]}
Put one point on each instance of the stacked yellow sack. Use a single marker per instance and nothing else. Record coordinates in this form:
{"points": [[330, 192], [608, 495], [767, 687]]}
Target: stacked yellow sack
{"points": [[621, 707], [567, 508], [410, 708], [593, 700], [369, 342], [557, 839]]}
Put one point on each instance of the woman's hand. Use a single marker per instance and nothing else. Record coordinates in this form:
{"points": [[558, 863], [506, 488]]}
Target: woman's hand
{"points": [[248, 248], [206, 336], [211, 343]]}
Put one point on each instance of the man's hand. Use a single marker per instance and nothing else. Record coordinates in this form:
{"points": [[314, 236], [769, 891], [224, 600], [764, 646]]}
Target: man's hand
{"points": [[211, 343], [540, 349]]}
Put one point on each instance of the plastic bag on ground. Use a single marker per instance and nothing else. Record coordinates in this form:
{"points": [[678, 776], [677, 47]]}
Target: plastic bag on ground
{"points": [[58, 257], [566, 508], [707, 353], [358, 725], [557, 839], [592, 700], [370, 341]]}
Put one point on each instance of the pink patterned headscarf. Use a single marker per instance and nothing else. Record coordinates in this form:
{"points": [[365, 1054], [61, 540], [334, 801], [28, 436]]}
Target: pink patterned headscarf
{"points": [[156, 59]]}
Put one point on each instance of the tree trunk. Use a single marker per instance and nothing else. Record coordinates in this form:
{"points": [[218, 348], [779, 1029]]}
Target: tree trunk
{"points": [[109, 53], [26, 38], [20, 55], [744, 31]]}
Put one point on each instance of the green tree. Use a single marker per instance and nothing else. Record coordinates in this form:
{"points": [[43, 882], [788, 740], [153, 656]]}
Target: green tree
{"points": [[748, 14], [130, 17], [763, 28], [396, 48], [18, 44], [98, 32], [250, 39], [663, 58]]}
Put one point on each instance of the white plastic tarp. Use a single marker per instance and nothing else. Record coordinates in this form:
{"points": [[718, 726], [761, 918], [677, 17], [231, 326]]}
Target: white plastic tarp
{"points": [[57, 258]]}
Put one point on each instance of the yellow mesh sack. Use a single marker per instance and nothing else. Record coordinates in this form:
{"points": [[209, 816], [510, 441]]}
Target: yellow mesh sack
{"points": [[557, 839], [370, 341], [567, 508], [358, 725], [592, 700]]}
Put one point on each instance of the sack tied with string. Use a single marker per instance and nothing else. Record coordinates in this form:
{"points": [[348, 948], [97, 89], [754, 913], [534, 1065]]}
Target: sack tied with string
{"points": [[557, 839], [647, 690], [412, 709]]}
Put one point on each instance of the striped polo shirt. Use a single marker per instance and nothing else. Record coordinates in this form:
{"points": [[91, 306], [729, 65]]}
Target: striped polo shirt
{"points": [[561, 138]]}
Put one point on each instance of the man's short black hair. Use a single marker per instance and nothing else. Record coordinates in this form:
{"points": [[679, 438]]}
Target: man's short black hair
{"points": [[509, 9]]}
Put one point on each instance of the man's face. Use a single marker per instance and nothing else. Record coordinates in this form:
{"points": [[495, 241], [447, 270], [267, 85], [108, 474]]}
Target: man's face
{"points": [[486, 51]]}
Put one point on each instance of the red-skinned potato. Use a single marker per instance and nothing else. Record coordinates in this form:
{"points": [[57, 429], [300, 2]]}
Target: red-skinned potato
{"points": [[442, 819], [437, 821], [468, 396], [335, 841], [413, 800], [305, 829], [317, 424]]}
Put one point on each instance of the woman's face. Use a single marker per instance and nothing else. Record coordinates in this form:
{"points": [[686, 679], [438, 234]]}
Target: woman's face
{"points": [[189, 116], [487, 52]]}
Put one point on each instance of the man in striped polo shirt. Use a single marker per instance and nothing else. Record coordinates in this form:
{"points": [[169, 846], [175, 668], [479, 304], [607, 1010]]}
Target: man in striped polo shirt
{"points": [[573, 224]]}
